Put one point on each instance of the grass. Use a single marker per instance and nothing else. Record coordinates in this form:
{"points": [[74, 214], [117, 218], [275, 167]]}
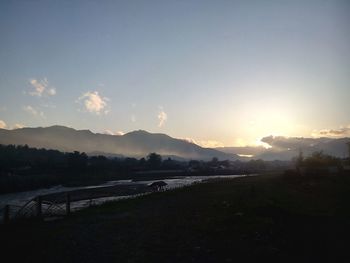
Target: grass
{"points": [[269, 217]]}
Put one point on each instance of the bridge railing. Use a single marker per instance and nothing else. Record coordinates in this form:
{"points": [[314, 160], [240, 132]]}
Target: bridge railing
{"points": [[36, 208]]}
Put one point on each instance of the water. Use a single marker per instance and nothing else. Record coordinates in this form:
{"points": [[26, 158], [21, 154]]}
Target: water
{"points": [[20, 198]]}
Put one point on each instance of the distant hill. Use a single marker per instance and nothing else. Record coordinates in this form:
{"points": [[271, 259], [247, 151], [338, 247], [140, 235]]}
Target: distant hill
{"points": [[285, 148], [134, 144]]}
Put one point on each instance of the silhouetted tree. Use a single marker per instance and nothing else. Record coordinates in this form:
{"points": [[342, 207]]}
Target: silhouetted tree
{"points": [[299, 160], [225, 163], [319, 159], [154, 160], [77, 161], [170, 164], [256, 165], [142, 163], [194, 163], [214, 161]]}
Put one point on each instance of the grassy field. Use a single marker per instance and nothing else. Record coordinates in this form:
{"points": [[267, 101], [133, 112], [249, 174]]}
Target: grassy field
{"points": [[270, 217]]}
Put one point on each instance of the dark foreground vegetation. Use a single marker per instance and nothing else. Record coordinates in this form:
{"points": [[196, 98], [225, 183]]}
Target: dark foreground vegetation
{"points": [[24, 168], [266, 218]]}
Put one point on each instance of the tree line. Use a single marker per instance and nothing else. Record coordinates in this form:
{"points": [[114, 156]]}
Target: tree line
{"points": [[24, 168]]}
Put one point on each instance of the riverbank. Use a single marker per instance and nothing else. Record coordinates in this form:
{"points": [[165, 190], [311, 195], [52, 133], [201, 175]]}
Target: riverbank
{"points": [[268, 217], [109, 190]]}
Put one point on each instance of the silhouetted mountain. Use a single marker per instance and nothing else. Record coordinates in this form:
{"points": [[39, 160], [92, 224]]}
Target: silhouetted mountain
{"points": [[134, 144], [285, 148]]}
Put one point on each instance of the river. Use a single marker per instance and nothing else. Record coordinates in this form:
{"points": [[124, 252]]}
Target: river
{"points": [[20, 198]]}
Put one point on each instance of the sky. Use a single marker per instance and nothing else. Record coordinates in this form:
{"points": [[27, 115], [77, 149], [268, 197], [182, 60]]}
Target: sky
{"points": [[218, 73]]}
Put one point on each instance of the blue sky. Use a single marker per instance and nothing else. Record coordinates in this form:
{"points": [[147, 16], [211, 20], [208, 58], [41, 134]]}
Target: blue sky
{"points": [[218, 72]]}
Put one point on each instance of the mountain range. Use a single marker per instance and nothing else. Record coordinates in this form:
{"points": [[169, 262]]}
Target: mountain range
{"points": [[136, 144], [285, 148], [140, 143]]}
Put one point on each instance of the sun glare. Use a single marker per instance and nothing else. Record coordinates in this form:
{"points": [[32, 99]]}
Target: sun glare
{"points": [[258, 142]]}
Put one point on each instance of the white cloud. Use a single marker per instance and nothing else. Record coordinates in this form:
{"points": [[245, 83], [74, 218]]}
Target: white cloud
{"points": [[210, 144], [41, 88], [162, 117], [51, 91], [18, 126], [340, 132], [190, 140], [117, 133], [205, 143], [108, 132], [94, 103], [34, 111], [3, 124]]}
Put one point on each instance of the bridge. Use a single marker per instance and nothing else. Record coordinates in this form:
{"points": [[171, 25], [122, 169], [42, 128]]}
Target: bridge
{"points": [[58, 205]]}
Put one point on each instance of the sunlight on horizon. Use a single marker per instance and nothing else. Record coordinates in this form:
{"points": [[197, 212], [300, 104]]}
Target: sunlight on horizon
{"points": [[221, 74]]}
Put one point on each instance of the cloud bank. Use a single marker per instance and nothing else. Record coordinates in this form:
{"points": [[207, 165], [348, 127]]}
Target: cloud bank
{"points": [[205, 143], [109, 132], [18, 126], [341, 132], [3, 124]]}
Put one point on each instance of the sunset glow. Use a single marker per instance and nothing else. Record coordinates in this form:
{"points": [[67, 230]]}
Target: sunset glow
{"points": [[221, 74]]}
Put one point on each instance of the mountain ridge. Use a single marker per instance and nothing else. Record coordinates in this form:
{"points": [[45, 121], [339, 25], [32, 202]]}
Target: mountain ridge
{"points": [[285, 148], [137, 143]]}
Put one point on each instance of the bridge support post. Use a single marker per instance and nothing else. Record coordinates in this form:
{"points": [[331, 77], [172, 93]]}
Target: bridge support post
{"points": [[68, 204], [39, 206]]}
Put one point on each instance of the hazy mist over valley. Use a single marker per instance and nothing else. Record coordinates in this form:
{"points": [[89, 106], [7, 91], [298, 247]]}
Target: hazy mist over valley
{"points": [[140, 143]]}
